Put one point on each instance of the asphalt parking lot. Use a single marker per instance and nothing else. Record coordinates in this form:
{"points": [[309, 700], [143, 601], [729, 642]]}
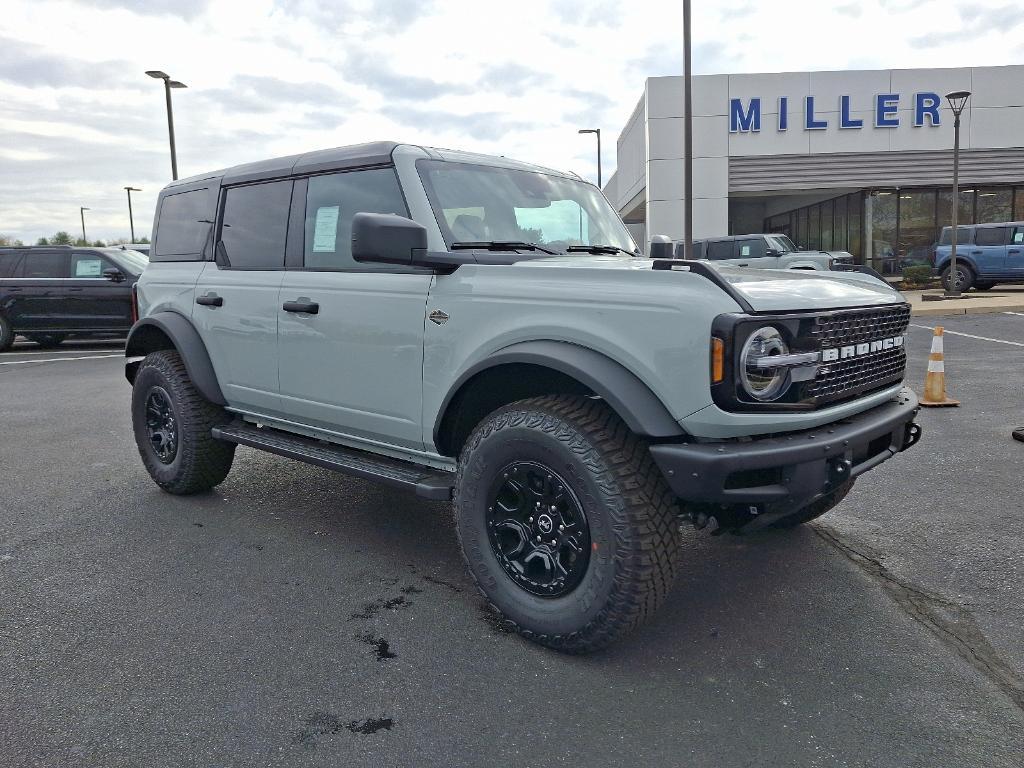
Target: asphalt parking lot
{"points": [[297, 617]]}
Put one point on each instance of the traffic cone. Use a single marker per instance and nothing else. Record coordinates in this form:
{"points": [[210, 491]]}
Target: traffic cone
{"points": [[935, 381]]}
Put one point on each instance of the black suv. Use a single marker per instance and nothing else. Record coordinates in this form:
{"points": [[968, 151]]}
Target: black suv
{"points": [[48, 293]]}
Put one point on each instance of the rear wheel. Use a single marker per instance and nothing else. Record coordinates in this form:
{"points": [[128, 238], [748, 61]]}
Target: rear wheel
{"points": [[565, 522], [6, 334], [962, 281], [172, 424], [815, 509], [47, 340]]}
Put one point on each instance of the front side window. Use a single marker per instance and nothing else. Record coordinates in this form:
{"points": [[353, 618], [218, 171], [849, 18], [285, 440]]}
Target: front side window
{"points": [[481, 203], [331, 202], [255, 225], [720, 249], [44, 265], [751, 249], [88, 265], [183, 225], [1018, 236]]}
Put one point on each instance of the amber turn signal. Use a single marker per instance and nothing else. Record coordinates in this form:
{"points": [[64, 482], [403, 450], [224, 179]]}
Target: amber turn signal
{"points": [[717, 360]]}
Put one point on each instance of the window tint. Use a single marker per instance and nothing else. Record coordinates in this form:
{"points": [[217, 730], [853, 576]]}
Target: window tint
{"points": [[44, 265], [963, 235], [720, 249], [990, 236], [751, 249], [184, 223], [255, 225], [7, 263], [332, 201], [85, 265]]}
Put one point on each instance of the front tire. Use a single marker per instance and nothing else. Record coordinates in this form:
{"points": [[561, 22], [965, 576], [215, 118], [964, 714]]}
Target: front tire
{"points": [[172, 424], [566, 468], [963, 281]]}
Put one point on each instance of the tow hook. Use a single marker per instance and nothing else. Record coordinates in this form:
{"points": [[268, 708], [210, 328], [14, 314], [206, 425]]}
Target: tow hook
{"points": [[911, 435]]}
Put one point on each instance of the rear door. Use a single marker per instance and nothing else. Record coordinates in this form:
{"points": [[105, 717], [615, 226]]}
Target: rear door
{"points": [[236, 297], [96, 302], [989, 250], [38, 297], [1015, 252]]}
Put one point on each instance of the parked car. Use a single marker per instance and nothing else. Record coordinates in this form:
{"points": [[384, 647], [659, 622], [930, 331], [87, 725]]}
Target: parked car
{"points": [[986, 254], [142, 248], [486, 332], [763, 251], [48, 293]]}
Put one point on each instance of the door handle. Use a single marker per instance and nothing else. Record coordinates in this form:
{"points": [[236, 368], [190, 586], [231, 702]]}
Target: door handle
{"points": [[1015, 250], [976, 253], [75, 290], [308, 307], [211, 300], [742, 265]]}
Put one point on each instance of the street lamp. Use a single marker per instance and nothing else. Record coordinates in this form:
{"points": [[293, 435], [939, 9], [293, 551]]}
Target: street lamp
{"points": [[957, 101], [688, 135], [598, 132], [81, 212], [168, 84], [131, 220]]}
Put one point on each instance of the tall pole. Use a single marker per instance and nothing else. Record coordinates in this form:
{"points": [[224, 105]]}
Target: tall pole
{"points": [[957, 102], [599, 185], [688, 129], [81, 212], [170, 130], [131, 219]]}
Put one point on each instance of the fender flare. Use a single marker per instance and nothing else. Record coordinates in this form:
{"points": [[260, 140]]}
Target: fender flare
{"points": [[187, 342], [628, 396], [959, 260]]}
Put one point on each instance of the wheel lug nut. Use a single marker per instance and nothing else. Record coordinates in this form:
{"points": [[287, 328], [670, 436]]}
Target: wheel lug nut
{"points": [[529, 519], [554, 508], [553, 542], [561, 527], [538, 538]]}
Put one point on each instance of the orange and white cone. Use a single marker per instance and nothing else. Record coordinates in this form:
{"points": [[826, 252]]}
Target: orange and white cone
{"points": [[935, 382]]}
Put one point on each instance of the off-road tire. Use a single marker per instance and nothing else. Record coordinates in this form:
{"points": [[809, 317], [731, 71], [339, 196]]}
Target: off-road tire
{"points": [[200, 462], [632, 516], [967, 275], [47, 340], [815, 509], [6, 334]]}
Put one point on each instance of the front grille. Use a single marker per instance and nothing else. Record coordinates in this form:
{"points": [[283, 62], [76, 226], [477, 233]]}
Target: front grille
{"points": [[845, 379]]}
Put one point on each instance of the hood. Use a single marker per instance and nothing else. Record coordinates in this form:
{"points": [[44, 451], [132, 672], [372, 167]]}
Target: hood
{"points": [[766, 290]]}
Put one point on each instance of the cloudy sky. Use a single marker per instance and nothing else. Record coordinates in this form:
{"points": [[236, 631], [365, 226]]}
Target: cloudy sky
{"points": [[79, 120]]}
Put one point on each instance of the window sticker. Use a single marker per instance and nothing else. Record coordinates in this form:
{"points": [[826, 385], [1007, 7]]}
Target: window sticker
{"points": [[744, 250], [88, 268], [326, 232], [1018, 237]]}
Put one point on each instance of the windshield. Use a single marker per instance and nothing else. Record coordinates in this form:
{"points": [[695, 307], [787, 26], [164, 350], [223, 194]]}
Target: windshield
{"points": [[782, 243], [132, 259], [482, 203]]}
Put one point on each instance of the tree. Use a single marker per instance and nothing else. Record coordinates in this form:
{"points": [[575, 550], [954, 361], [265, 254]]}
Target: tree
{"points": [[99, 244], [143, 240], [61, 238], [8, 240], [42, 241]]}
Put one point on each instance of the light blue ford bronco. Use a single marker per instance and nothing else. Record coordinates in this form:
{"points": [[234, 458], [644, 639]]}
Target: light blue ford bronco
{"points": [[485, 332]]}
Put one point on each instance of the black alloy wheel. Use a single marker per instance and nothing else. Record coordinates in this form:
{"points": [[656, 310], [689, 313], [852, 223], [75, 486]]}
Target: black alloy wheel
{"points": [[537, 529], [161, 425]]}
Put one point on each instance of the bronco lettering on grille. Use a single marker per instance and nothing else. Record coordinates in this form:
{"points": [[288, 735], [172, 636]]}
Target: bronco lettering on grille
{"points": [[859, 350]]}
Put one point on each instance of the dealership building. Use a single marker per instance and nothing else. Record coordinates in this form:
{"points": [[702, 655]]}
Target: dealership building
{"points": [[860, 161]]}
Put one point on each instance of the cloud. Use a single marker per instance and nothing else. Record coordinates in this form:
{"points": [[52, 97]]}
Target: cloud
{"points": [[482, 126], [258, 94], [187, 9], [975, 20], [32, 66]]}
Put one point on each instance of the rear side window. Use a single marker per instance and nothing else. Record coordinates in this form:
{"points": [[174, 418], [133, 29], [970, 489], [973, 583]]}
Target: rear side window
{"points": [[720, 249], [990, 236], [8, 261], [963, 235], [751, 249], [44, 265], [255, 225], [331, 202], [184, 222]]}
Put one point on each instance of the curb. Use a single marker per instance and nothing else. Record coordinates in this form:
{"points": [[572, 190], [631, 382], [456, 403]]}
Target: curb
{"points": [[919, 311]]}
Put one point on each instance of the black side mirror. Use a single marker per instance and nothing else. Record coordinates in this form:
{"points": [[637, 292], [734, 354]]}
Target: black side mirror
{"points": [[385, 238], [773, 252], [661, 247], [114, 275]]}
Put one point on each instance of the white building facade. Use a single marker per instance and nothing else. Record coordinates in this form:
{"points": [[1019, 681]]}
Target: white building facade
{"points": [[859, 160]]}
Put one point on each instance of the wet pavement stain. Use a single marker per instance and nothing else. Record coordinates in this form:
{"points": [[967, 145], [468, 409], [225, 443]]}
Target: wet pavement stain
{"points": [[411, 590], [370, 725], [371, 609], [320, 724], [442, 583], [380, 646], [496, 621]]}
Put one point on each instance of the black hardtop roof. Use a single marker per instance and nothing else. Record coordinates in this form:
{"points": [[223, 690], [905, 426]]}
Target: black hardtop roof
{"points": [[353, 156], [987, 225]]}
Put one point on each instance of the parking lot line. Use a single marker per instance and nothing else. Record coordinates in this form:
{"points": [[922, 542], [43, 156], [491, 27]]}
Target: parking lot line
{"points": [[970, 335], [16, 351], [58, 359]]}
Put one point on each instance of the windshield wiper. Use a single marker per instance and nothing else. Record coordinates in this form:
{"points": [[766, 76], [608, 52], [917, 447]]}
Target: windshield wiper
{"points": [[501, 245], [598, 249]]}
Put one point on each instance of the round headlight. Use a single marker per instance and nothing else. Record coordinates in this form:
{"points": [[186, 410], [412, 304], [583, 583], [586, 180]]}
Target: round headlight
{"points": [[761, 382]]}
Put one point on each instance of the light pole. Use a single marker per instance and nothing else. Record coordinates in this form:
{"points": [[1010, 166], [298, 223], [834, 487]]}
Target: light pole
{"points": [[957, 101], [688, 141], [168, 84], [81, 212], [598, 132], [131, 219]]}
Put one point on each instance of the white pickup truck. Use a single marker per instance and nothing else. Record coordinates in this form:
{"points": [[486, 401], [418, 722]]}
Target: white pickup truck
{"points": [[763, 251]]}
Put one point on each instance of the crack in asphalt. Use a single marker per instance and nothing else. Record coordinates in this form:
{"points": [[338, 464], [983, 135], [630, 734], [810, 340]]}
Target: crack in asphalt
{"points": [[949, 622]]}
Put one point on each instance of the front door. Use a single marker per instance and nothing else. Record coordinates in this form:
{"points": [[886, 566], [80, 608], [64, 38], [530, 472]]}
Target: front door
{"points": [[753, 252], [236, 304], [989, 250], [1015, 253], [350, 340], [94, 301]]}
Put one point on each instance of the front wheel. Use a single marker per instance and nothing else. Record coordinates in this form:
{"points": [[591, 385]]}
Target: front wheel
{"points": [[565, 522], [962, 281], [173, 425]]}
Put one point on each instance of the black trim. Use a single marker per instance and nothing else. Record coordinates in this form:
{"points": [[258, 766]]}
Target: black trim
{"points": [[627, 395], [186, 341], [793, 468]]}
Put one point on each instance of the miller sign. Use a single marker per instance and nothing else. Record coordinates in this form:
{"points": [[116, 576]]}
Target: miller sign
{"points": [[746, 118]]}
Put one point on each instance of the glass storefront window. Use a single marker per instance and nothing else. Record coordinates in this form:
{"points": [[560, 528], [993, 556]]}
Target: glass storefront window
{"points": [[839, 239], [826, 226], [1018, 204], [995, 204], [945, 210], [855, 225], [801, 228], [883, 232], [917, 230], [814, 227]]}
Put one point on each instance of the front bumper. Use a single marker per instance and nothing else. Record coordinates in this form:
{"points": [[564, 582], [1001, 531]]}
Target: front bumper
{"points": [[789, 470]]}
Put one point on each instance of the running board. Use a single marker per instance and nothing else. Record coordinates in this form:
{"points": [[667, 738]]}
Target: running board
{"points": [[428, 483]]}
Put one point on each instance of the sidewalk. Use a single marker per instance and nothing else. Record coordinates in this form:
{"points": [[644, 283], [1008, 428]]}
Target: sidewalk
{"points": [[1002, 298]]}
